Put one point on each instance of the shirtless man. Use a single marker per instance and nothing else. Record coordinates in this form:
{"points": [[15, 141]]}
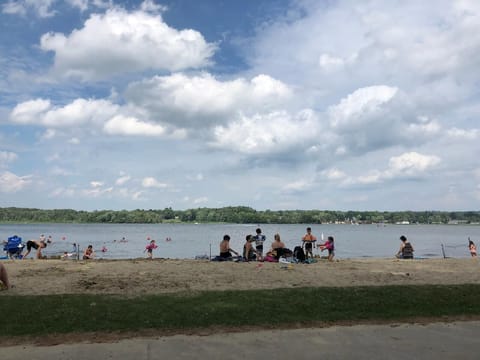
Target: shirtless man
{"points": [[225, 250], [308, 240], [37, 245], [88, 254]]}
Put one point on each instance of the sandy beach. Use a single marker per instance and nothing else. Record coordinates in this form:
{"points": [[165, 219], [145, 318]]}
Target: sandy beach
{"points": [[138, 277]]}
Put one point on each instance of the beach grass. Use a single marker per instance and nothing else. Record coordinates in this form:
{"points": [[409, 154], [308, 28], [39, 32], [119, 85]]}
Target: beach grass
{"points": [[64, 314]]}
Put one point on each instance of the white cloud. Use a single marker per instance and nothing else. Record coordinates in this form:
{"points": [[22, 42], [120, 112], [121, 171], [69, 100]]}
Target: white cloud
{"points": [[121, 125], [77, 113], [7, 157], [457, 133], [82, 5], [11, 183], [119, 42], [182, 99], [267, 133], [42, 8], [358, 107], [405, 166], [96, 184], [122, 180], [49, 134], [334, 174], [411, 164], [97, 192], [151, 182]]}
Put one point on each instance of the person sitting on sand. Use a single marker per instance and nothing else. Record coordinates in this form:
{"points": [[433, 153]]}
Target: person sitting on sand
{"points": [[406, 249], [249, 252], [225, 250], [37, 245], [278, 246], [4, 283], [472, 248], [88, 254], [330, 246]]}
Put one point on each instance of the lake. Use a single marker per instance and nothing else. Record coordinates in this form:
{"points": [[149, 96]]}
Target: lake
{"points": [[190, 240]]}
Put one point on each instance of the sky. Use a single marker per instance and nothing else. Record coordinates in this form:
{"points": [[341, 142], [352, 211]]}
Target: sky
{"points": [[271, 104]]}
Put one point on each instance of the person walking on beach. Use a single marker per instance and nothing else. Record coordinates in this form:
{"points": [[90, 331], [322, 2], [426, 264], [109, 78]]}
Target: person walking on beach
{"points": [[225, 250], [330, 246], [37, 245], [308, 240], [89, 254], [406, 249], [4, 283], [472, 248], [149, 249], [259, 240]]}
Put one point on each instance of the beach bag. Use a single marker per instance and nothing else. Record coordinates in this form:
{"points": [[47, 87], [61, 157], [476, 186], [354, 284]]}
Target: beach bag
{"points": [[299, 254]]}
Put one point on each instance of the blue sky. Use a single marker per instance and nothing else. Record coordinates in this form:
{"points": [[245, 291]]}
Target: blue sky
{"points": [[290, 104]]}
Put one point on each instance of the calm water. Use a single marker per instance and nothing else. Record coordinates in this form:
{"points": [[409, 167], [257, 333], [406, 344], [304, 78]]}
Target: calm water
{"points": [[190, 240]]}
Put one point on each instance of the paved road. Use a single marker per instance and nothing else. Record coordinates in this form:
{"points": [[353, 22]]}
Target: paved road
{"points": [[459, 340]]}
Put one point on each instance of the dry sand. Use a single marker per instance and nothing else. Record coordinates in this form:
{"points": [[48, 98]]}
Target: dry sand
{"points": [[139, 276]]}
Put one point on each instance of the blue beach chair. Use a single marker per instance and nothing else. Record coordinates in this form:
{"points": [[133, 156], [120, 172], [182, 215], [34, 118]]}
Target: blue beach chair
{"points": [[14, 247]]}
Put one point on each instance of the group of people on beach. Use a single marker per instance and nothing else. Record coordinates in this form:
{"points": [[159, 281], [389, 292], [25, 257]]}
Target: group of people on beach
{"points": [[277, 249]]}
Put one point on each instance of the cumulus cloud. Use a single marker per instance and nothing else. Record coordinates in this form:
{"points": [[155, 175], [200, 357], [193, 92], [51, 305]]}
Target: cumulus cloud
{"points": [[151, 182], [122, 180], [11, 183], [456, 133], [410, 165], [82, 5], [274, 132], [77, 113], [121, 125], [120, 42], [377, 117], [183, 99], [41, 8], [7, 157], [360, 107]]}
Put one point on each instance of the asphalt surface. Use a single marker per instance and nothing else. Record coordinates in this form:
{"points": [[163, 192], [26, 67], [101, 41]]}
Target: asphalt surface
{"points": [[458, 340]]}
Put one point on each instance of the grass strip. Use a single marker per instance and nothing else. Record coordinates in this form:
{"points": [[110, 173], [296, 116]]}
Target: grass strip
{"points": [[63, 314]]}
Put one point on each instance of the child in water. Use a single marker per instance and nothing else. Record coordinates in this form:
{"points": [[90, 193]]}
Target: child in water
{"points": [[149, 249], [472, 248]]}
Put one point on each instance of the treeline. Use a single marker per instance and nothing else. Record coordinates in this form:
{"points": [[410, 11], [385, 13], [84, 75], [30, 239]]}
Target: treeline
{"points": [[234, 214]]}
